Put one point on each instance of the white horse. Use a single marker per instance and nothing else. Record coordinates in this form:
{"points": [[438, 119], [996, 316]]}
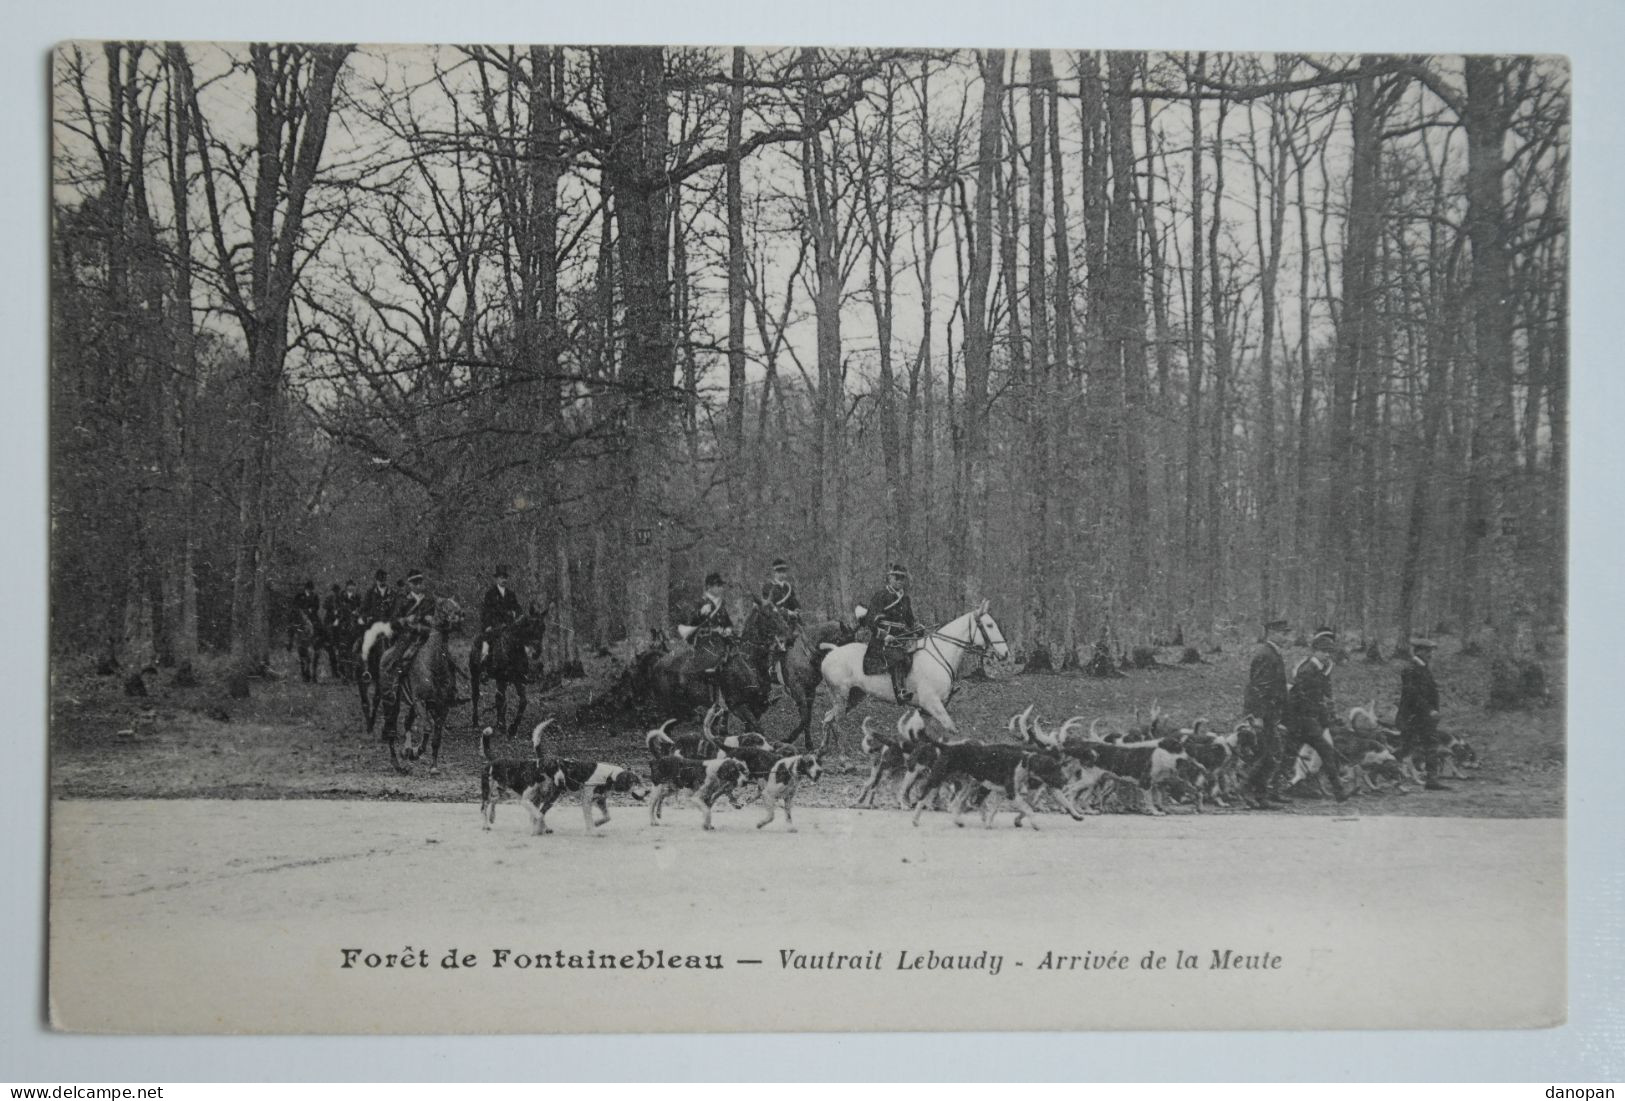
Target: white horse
{"points": [[936, 659]]}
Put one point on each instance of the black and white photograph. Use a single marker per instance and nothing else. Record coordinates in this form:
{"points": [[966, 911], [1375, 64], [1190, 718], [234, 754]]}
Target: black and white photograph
{"points": [[569, 538]]}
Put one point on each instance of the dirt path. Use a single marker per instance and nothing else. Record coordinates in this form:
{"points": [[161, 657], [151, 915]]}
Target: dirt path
{"points": [[197, 915]]}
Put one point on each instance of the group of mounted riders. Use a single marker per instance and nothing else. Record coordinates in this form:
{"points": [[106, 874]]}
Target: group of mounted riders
{"points": [[375, 638], [888, 616]]}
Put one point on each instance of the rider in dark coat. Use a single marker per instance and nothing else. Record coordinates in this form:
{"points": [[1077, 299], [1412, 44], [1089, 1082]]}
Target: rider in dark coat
{"points": [[377, 602], [349, 604], [307, 603], [410, 615], [500, 606], [1309, 709], [1418, 717], [890, 616], [1266, 701], [780, 591], [709, 628]]}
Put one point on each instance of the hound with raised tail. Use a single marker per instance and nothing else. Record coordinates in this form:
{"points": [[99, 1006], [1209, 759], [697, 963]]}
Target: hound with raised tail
{"points": [[782, 780], [525, 777]]}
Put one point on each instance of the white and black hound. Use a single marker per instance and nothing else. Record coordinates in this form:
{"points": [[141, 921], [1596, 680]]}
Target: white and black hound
{"points": [[594, 780], [525, 777], [782, 780], [704, 781]]}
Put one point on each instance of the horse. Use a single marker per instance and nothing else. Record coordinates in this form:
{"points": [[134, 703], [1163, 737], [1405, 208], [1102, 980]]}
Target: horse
{"points": [[342, 640], [307, 639], [370, 644], [802, 672], [430, 681], [934, 667], [743, 681], [504, 653]]}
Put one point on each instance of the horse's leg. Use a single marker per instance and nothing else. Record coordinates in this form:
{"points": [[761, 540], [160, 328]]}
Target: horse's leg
{"points": [[521, 701], [440, 714], [502, 702], [934, 707], [474, 682]]}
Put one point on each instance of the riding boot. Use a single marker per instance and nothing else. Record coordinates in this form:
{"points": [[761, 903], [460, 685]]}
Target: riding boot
{"points": [[899, 686]]}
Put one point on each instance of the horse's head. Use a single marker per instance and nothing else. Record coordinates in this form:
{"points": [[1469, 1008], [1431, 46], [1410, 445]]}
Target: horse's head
{"points": [[767, 625], [986, 632], [448, 614]]}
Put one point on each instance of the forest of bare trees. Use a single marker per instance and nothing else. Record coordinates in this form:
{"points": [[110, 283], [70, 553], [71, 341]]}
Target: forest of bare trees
{"points": [[1122, 342]]}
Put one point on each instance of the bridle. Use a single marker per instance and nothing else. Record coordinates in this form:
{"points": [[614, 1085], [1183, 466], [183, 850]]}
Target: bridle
{"points": [[980, 649]]}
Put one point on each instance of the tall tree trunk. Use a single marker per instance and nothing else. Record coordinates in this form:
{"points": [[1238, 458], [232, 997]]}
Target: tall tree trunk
{"points": [[635, 98], [1035, 479], [1494, 472], [735, 446], [1194, 365], [1128, 325], [978, 345]]}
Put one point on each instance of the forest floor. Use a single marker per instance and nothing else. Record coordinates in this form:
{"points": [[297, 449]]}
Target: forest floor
{"points": [[301, 741]]}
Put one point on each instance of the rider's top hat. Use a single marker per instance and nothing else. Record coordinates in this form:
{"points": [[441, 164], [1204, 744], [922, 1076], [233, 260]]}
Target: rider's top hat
{"points": [[415, 577], [780, 564], [713, 580], [310, 584], [349, 581], [502, 572], [1325, 639], [380, 575]]}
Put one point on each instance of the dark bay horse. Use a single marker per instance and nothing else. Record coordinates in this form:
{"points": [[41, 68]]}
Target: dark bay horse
{"points": [[429, 682], [803, 673], [503, 655], [744, 680], [308, 640]]}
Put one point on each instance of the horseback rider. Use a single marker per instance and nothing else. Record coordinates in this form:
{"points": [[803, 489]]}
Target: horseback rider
{"points": [[306, 603], [333, 607], [500, 607], [890, 616], [349, 604], [376, 604], [709, 628], [780, 591], [412, 615]]}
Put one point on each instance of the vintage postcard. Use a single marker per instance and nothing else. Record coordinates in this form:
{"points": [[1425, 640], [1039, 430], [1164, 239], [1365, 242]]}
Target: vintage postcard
{"points": [[610, 539]]}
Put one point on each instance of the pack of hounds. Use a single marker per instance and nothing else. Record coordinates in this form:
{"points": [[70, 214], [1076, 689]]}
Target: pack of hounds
{"points": [[1083, 770]]}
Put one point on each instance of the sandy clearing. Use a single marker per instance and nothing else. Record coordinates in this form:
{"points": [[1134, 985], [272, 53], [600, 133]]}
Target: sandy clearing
{"points": [[209, 916]]}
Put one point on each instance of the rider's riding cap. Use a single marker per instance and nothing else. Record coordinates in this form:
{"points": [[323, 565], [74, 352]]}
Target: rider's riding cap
{"points": [[1325, 639], [415, 577], [897, 570], [780, 564], [1423, 644], [714, 581], [1277, 625]]}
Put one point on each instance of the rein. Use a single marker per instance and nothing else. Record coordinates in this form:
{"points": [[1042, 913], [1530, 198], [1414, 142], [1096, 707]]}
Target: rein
{"points": [[980, 649]]}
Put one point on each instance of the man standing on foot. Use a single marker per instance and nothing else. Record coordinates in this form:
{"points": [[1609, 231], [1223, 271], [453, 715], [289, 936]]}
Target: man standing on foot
{"points": [[1418, 717], [1309, 710], [1266, 702]]}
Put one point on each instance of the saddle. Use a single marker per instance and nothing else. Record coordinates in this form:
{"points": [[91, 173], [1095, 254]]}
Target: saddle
{"points": [[877, 657]]}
